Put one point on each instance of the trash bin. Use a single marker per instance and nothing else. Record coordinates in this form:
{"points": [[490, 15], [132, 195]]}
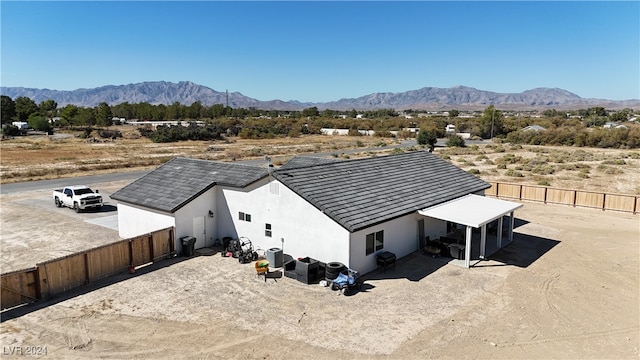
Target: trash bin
{"points": [[188, 245]]}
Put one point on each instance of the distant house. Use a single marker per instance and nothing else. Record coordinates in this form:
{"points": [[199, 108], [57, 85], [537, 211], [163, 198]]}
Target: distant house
{"points": [[450, 129], [346, 211], [535, 128], [613, 125]]}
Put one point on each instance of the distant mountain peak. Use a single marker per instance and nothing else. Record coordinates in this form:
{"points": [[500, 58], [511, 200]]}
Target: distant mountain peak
{"points": [[187, 92]]}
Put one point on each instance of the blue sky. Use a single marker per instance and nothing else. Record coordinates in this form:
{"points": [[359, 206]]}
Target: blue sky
{"points": [[324, 51]]}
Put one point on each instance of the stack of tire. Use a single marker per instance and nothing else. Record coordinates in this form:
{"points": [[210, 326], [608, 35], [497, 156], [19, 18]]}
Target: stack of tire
{"points": [[334, 269]]}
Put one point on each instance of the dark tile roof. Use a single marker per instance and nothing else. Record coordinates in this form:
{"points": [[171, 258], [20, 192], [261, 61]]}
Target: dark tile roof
{"points": [[180, 180], [304, 161], [364, 192]]}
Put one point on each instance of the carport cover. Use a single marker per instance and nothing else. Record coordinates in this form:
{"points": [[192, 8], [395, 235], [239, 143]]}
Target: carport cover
{"points": [[471, 210]]}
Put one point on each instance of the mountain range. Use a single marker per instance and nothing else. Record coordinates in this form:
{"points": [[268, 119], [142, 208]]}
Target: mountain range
{"points": [[427, 98]]}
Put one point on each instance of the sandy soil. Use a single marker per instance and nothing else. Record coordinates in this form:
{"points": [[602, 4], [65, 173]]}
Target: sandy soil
{"points": [[566, 288]]}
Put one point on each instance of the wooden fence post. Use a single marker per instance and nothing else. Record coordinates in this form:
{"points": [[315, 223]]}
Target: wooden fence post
{"points": [[86, 268], [151, 252]]}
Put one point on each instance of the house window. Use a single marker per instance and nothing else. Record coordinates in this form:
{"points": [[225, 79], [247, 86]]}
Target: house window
{"points": [[244, 217], [375, 242], [267, 230]]}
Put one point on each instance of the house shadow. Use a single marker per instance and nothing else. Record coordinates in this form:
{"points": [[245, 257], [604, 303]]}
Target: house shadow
{"points": [[105, 209], [522, 252], [25, 309], [413, 267]]}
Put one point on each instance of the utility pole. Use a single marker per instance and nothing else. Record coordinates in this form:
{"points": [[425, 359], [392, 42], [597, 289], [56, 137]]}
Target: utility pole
{"points": [[227, 93], [493, 112]]}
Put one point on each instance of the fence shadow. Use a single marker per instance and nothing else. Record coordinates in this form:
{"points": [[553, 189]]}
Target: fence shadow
{"points": [[21, 310]]}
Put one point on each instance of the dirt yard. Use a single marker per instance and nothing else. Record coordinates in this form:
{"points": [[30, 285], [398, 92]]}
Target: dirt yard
{"points": [[566, 288]]}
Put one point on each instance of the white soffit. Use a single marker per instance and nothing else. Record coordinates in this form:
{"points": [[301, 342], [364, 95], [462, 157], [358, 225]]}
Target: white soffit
{"points": [[471, 210]]}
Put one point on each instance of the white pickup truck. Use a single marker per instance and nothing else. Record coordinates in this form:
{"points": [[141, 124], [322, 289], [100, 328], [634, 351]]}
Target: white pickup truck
{"points": [[79, 197]]}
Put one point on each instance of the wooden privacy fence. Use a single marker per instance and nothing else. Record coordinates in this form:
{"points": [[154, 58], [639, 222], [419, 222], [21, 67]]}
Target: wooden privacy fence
{"points": [[62, 274], [581, 198]]}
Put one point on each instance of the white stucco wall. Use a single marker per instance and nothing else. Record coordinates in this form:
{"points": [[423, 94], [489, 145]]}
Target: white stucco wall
{"points": [[198, 207], [134, 221], [400, 238], [305, 230]]}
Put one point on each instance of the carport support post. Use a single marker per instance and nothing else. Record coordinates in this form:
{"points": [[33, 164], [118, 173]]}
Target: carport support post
{"points": [[467, 248], [511, 224], [499, 234], [483, 240]]}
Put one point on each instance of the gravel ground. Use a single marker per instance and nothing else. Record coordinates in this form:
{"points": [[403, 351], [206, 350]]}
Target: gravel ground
{"points": [[566, 288]]}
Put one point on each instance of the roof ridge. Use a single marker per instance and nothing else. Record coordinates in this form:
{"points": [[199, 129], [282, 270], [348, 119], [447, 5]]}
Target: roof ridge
{"points": [[217, 162]]}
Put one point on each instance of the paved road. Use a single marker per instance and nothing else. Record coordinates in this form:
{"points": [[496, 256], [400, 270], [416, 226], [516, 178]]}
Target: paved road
{"points": [[132, 175]]}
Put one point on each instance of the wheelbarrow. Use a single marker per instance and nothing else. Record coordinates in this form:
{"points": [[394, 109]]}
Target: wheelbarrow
{"points": [[262, 268]]}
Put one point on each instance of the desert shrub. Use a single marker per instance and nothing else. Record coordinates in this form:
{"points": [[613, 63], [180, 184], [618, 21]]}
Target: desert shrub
{"points": [[481, 157], [580, 155], [11, 130], [543, 170], [404, 134], [544, 183], [634, 155], [513, 173], [501, 166], [359, 143], [397, 151], [519, 167], [509, 159], [445, 157], [609, 170], [455, 141], [614, 162], [474, 171], [538, 160], [110, 134], [489, 162], [193, 131], [384, 134]]}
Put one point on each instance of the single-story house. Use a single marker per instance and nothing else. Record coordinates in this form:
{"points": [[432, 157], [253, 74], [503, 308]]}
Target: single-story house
{"points": [[346, 211]]}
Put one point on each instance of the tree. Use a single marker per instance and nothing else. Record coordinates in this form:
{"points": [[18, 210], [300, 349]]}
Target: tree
{"points": [[491, 122], [427, 137], [103, 114], [310, 112], [48, 108], [454, 113], [68, 114], [7, 109], [25, 107], [39, 123]]}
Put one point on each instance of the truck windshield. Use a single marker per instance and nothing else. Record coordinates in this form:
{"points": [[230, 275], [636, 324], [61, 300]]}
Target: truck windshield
{"points": [[84, 191]]}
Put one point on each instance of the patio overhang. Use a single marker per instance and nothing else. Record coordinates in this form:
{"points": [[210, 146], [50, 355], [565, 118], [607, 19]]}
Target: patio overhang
{"points": [[474, 211]]}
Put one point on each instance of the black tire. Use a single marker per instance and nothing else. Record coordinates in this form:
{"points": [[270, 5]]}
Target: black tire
{"points": [[76, 208], [58, 203], [333, 269]]}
